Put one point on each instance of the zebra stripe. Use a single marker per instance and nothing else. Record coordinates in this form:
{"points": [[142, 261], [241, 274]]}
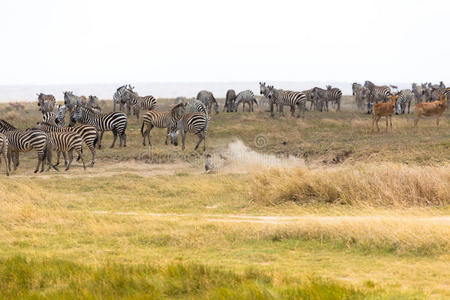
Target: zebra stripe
{"points": [[65, 142], [245, 97], [4, 144], [88, 134], [208, 99], [310, 97], [160, 119], [229, 100], [46, 103], [377, 93], [196, 123], [24, 141], [334, 95], [114, 121], [5, 126], [138, 103], [404, 98], [195, 105], [289, 98]]}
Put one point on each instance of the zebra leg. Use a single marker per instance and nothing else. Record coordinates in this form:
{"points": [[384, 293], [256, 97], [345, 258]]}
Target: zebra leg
{"points": [[79, 151], [167, 134], [16, 160], [115, 138], [99, 142], [92, 148], [147, 133], [40, 158], [65, 158], [123, 137], [6, 163], [183, 139], [70, 159]]}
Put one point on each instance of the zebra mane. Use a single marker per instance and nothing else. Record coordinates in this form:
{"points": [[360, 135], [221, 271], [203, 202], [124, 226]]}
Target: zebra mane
{"points": [[6, 125]]}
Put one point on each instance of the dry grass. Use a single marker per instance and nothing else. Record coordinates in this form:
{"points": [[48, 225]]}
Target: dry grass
{"points": [[386, 184]]}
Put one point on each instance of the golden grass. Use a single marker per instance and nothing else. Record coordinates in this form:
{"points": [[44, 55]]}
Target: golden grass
{"points": [[387, 184]]}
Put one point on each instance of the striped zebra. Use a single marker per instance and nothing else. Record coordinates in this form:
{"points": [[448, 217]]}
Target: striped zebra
{"points": [[264, 90], [93, 104], [377, 93], [46, 103], [320, 97], [4, 151], [310, 97], [71, 100], [245, 97], [355, 87], [334, 95], [419, 92], [196, 123], [195, 105], [113, 121], [88, 134], [121, 96], [25, 141], [404, 98], [5, 126], [55, 118], [289, 98], [160, 119], [208, 99], [65, 142], [446, 92], [361, 95], [139, 103], [229, 100]]}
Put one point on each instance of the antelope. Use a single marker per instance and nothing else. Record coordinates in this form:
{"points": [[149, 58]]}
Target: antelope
{"points": [[385, 109], [431, 109]]}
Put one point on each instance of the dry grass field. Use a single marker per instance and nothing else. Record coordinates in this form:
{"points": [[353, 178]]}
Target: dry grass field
{"points": [[314, 208]]}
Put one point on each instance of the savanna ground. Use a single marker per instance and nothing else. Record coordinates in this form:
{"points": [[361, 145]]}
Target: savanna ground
{"points": [[320, 208]]}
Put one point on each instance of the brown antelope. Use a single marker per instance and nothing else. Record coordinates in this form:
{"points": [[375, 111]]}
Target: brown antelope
{"points": [[431, 109], [384, 110]]}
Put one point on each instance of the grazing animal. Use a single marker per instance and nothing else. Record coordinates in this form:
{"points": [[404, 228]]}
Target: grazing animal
{"points": [[289, 98], [230, 98], [195, 105], [404, 99], [71, 100], [264, 90], [138, 103], [310, 98], [25, 141], [121, 97], [208, 99], [377, 93], [361, 97], [160, 119], [384, 110], [334, 95], [113, 121], [93, 104], [179, 100], [55, 118], [419, 92], [5, 126], [65, 142], [196, 123], [88, 134], [4, 151], [245, 97], [431, 109], [46, 103], [355, 87]]}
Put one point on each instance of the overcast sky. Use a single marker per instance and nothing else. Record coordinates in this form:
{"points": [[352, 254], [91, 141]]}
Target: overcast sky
{"points": [[61, 42]]}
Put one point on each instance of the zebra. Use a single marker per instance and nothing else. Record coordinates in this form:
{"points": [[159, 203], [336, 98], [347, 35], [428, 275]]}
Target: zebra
{"points": [[93, 104], [264, 91], [195, 105], [376, 94], [355, 87], [320, 97], [208, 99], [138, 102], [361, 97], [419, 92], [5, 126], [196, 123], [65, 142], [290, 98], [88, 134], [404, 98], [4, 150], [113, 121], [55, 118], [309, 97], [179, 100], [245, 97], [160, 119], [334, 95], [121, 97], [46, 103], [229, 100], [25, 141], [71, 100]]}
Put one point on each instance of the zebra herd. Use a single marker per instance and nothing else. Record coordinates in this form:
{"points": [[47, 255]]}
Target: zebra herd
{"points": [[367, 95], [87, 122]]}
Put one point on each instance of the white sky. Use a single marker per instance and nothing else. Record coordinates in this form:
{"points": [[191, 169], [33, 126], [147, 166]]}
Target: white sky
{"points": [[88, 41]]}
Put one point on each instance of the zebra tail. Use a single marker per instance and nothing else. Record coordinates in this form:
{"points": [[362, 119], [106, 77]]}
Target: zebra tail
{"points": [[96, 140], [142, 129]]}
